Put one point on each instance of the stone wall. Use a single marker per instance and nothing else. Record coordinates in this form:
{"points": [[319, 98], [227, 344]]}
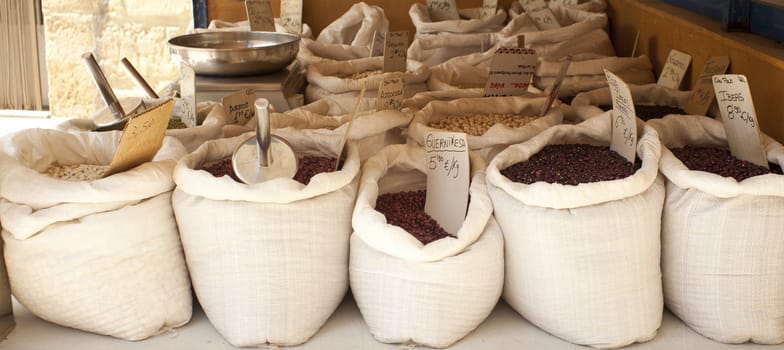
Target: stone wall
{"points": [[111, 29]]}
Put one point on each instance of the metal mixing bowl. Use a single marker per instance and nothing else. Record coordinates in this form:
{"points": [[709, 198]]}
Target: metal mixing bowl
{"points": [[235, 53]]}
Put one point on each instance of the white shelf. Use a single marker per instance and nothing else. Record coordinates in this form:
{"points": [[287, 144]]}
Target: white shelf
{"points": [[504, 329]]}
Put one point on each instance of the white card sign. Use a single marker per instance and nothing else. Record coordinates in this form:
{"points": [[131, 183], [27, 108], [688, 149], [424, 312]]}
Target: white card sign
{"points": [[542, 16], [188, 95], [448, 175], [291, 16], [377, 46], [391, 92], [739, 118], [260, 15], [674, 70], [240, 106], [624, 118], [395, 51], [488, 9], [703, 95], [442, 10], [511, 70]]}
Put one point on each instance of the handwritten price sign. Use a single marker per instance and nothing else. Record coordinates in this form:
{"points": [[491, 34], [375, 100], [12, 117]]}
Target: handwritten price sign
{"points": [[442, 10], [390, 93], [395, 51], [543, 17], [448, 175], [260, 15], [624, 118], [188, 95], [240, 107], [291, 16], [674, 70], [703, 94], [739, 118], [141, 138], [488, 9], [511, 70]]}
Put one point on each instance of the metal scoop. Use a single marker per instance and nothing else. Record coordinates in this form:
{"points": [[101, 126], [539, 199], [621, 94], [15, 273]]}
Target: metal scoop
{"points": [[263, 157], [138, 79], [114, 117]]}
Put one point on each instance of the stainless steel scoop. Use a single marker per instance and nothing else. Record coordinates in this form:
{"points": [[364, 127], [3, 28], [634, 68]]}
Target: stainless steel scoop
{"points": [[263, 157], [116, 115], [138, 79]]}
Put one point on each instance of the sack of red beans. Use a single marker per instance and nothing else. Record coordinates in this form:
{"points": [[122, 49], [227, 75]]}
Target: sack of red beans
{"points": [[492, 123], [582, 246], [722, 266], [651, 101], [431, 294], [96, 254], [268, 261]]}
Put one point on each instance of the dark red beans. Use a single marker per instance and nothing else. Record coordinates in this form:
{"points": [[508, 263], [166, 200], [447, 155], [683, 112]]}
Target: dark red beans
{"points": [[651, 112], [571, 165], [407, 210], [221, 168], [308, 167], [720, 162]]}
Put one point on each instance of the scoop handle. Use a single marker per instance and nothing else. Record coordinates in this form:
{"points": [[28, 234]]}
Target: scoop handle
{"points": [[138, 79], [263, 136]]}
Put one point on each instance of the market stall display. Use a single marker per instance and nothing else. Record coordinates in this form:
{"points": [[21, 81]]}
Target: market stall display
{"points": [[593, 103]]}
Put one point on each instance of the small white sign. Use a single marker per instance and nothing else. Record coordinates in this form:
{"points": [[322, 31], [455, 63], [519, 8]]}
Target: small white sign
{"points": [[240, 106], [624, 118], [739, 118], [442, 10], [390, 93], [188, 95], [377, 46], [511, 70], [488, 9], [543, 17], [291, 16], [448, 176], [674, 70], [703, 95], [260, 15], [395, 51]]}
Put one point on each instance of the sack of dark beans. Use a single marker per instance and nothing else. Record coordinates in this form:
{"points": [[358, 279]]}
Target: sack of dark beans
{"points": [[722, 266], [99, 254], [269, 261], [431, 294], [582, 222], [651, 101], [492, 123]]}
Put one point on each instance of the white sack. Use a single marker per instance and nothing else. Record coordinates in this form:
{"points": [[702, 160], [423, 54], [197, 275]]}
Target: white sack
{"points": [[269, 261], [599, 6], [435, 49], [421, 99], [723, 271], [469, 22], [100, 256], [582, 262], [586, 104], [586, 73]]}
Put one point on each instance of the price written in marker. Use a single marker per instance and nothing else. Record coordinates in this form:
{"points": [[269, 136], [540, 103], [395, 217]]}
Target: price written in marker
{"points": [[240, 106], [448, 175], [543, 17], [188, 95], [674, 70], [739, 118], [442, 10], [511, 70], [377, 46], [260, 15], [703, 95], [291, 16], [488, 9], [624, 118], [141, 138], [395, 51], [391, 92]]}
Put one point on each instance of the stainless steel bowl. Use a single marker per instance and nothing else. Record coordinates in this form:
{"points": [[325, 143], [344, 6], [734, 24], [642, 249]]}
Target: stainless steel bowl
{"points": [[235, 53]]}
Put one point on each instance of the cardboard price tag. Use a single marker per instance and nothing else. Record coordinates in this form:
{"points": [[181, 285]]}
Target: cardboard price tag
{"points": [[377, 46], [240, 106], [141, 138], [260, 15], [390, 93], [395, 51], [624, 118], [442, 10], [188, 95], [542, 16], [448, 176], [511, 70], [291, 16], [703, 95], [488, 9], [739, 118], [674, 70]]}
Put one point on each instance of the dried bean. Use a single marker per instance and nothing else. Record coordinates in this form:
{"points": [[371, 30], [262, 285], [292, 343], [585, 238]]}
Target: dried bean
{"points": [[77, 172], [407, 210], [221, 168], [363, 75], [176, 124], [308, 167], [571, 165], [478, 125], [651, 112], [720, 162]]}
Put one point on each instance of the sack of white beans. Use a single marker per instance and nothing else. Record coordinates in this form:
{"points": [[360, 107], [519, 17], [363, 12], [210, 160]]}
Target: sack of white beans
{"points": [[582, 262], [491, 123], [593, 103], [599, 6], [433, 294], [463, 72], [100, 255], [269, 261], [348, 37], [723, 271], [586, 72]]}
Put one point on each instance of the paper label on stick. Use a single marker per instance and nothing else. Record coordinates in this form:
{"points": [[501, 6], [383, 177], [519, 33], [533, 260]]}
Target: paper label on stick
{"points": [[377, 46], [703, 95], [390, 93], [488, 9], [674, 70], [188, 95], [448, 176], [395, 51], [141, 138], [624, 118], [240, 106], [291, 16], [521, 41], [542, 16], [260, 15], [739, 118], [441, 10], [511, 70]]}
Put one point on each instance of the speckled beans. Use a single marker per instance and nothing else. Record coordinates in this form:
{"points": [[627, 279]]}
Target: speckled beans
{"points": [[407, 210], [78, 172], [477, 125], [720, 162]]}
